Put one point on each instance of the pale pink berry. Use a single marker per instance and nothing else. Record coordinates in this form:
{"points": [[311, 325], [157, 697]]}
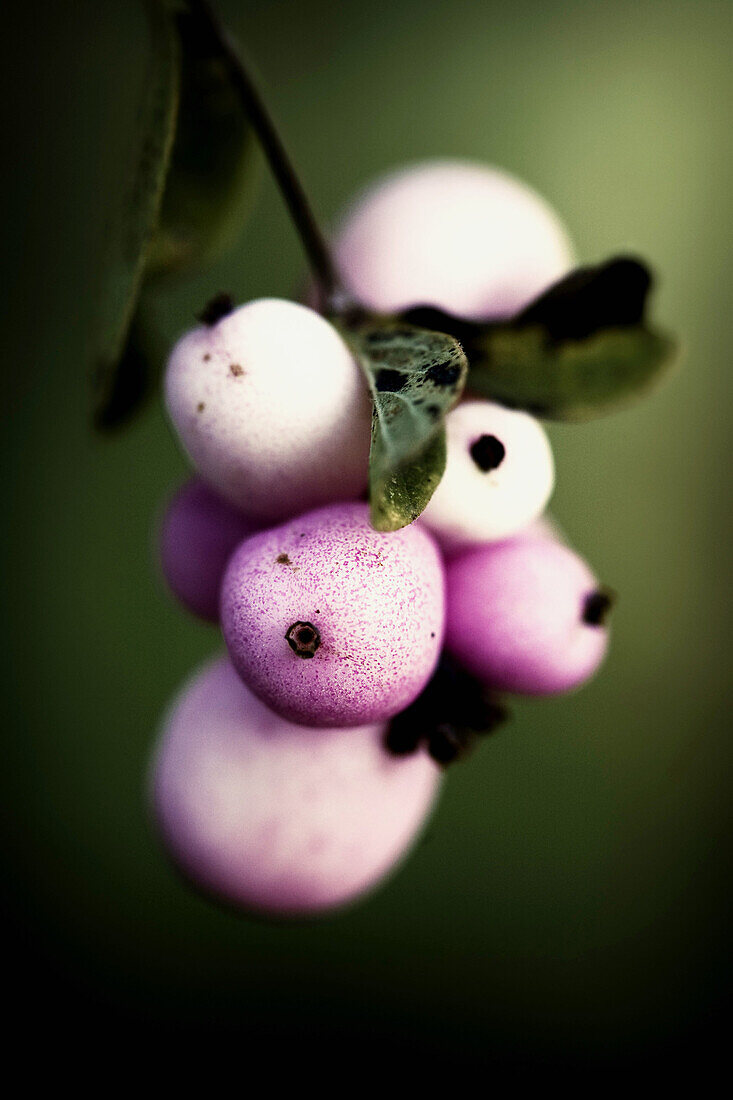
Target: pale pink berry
{"points": [[526, 615], [467, 238], [276, 818]]}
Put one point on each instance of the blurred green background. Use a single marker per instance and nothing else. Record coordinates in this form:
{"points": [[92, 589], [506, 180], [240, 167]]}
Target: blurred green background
{"points": [[568, 902]]}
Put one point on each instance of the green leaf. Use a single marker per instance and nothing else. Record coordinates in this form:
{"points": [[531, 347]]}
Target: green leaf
{"points": [[137, 370], [126, 386], [132, 225], [574, 380], [415, 377], [216, 162], [582, 349]]}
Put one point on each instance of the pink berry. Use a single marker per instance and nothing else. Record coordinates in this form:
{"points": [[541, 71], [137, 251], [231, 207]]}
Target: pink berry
{"points": [[332, 623], [464, 237], [526, 616], [277, 818], [198, 535]]}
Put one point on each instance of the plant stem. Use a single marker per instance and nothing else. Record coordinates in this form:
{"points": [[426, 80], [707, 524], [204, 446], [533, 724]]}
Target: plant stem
{"points": [[333, 298]]}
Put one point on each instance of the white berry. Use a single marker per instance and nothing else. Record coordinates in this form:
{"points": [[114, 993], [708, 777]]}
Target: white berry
{"points": [[466, 238], [272, 409], [499, 475]]}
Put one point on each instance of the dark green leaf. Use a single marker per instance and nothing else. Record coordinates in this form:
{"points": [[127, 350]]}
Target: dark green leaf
{"points": [[415, 377], [580, 350], [215, 164], [137, 371], [573, 380], [127, 385], [610, 295], [133, 222]]}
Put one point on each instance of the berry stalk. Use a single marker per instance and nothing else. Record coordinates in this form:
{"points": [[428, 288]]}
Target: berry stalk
{"points": [[333, 298]]}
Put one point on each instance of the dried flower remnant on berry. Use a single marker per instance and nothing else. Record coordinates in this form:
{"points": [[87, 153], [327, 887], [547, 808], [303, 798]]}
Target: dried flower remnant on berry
{"points": [[597, 607], [216, 308], [303, 638], [488, 452]]}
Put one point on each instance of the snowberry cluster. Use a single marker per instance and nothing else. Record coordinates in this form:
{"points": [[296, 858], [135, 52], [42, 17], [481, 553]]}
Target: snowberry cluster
{"points": [[284, 781]]}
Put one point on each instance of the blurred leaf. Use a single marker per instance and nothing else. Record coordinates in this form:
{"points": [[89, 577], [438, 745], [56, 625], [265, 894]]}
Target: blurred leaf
{"points": [[415, 377], [576, 380], [580, 350], [451, 713], [132, 226], [137, 371], [215, 165], [127, 385]]}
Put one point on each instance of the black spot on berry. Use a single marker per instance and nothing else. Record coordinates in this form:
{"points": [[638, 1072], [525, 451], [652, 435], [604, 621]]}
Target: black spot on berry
{"points": [[390, 381], [206, 357], [200, 407], [283, 559], [597, 606], [303, 638], [235, 370], [219, 306], [488, 452]]}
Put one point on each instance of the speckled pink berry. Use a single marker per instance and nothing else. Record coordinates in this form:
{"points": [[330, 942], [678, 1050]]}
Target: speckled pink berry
{"points": [[275, 818], [198, 535], [332, 623], [271, 408], [526, 616], [464, 237]]}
